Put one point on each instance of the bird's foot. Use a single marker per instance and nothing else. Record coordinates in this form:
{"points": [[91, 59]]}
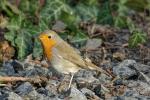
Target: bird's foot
{"points": [[64, 90]]}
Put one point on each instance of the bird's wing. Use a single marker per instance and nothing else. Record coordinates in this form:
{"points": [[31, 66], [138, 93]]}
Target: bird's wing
{"points": [[69, 53]]}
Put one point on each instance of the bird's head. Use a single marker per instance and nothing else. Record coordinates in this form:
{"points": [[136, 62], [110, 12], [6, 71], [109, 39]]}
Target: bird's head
{"points": [[49, 38]]}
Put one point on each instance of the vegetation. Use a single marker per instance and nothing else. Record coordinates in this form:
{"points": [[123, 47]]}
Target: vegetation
{"points": [[23, 20]]}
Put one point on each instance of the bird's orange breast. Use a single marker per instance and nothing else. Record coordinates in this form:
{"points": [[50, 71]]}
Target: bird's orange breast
{"points": [[47, 44]]}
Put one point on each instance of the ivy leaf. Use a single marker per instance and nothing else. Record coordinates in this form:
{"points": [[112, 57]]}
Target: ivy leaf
{"points": [[69, 18], [79, 39], [37, 49], [53, 9], [15, 23], [10, 36], [23, 43], [29, 6], [9, 8], [105, 16], [86, 12]]}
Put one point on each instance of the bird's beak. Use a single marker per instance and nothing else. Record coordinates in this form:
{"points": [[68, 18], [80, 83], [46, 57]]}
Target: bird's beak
{"points": [[41, 37]]}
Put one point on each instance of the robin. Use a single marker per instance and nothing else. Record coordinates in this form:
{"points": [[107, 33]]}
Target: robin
{"points": [[62, 56]]}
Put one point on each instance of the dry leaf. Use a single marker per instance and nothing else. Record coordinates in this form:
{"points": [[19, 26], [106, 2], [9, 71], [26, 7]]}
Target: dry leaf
{"points": [[6, 51], [119, 56]]}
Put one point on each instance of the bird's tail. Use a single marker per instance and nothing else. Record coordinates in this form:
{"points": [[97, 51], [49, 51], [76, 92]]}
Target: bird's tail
{"points": [[94, 67]]}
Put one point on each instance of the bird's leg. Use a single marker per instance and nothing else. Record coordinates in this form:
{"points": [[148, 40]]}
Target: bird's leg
{"points": [[70, 80]]}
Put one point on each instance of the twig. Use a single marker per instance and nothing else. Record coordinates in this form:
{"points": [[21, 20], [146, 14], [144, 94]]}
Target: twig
{"points": [[146, 78], [36, 79], [12, 79]]}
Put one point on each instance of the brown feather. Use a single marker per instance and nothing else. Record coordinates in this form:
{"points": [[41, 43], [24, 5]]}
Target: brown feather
{"points": [[70, 54]]}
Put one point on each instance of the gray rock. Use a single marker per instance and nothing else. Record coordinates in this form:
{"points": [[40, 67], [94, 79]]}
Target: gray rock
{"points": [[36, 71], [120, 82], [24, 89], [85, 76], [76, 95], [13, 96], [124, 69], [8, 68], [143, 68], [90, 94], [85, 73], [131, 93], [141, 97], [122, 98], [103, 78], [93, 44], [138, 88], [52, 87], [59, 26], [34, 95], [18, 66], [45, 92]]}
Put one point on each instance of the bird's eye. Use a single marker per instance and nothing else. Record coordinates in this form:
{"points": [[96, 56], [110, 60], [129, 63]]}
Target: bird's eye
{"points": [[49, 37]]}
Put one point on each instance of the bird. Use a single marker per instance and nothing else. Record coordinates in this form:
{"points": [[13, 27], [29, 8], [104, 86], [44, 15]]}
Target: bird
{"points": [[62, 56]]}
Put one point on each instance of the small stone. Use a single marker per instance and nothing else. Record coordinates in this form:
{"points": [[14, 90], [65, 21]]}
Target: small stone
{"points": [[37, 71], [18, 66], [93, 44], [13, 96], [138, 88], [100, 90], [89, 94], [122, 98], [42, 91], [34, 95], [59, 26], [143, 68], [76, 94], [120, 82], [124, 69], [24, 89], [52, 87], [8, 68], [103, 78], [85, 76]]}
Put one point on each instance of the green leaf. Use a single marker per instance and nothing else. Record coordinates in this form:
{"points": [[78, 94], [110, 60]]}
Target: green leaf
{"points": [[136, 38], [68, 18], [15, 23], [137, 5], [79, 39], [89, 2], [105, 16], [10, 36], [120, 22], [29, 6], [23, 43], [8, 8], [131, 25], [53, 9], [37, 49], [87, 13]]}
